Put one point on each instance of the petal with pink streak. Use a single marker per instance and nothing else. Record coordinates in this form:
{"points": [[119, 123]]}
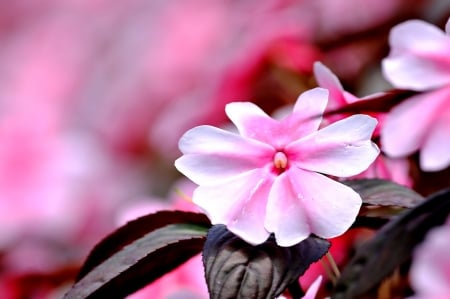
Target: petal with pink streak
{"points": [[306, 118], [286, 215], [416, 73], [213, 156], [303, 202], [419, 56], [407, 125], [417, 36], [330, 205], [251, 121], [213, 169], [326, 79], [435, 153], [208, 139], [240, 204], [310, 106], [342, 149]]}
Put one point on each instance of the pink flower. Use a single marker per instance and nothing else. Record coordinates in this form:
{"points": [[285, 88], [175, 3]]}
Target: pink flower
{"points": [[383, 167], [430, 270], [326, 79], [265, 180], [419, 60]]}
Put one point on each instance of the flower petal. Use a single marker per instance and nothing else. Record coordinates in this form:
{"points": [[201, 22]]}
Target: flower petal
{"points": [[286, 217], [429, 270], [303, 202], [331, 206], [308, 110], [211, 169], [342, 149], [240, 204], [213, 156], [407, 125], [326, 79], [419, 56], [208, 139], [251, 121], [416, 73], [435, 153]]}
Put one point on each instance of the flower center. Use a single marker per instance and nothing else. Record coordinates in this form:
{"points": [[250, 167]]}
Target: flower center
{"points": [[280, 161]]}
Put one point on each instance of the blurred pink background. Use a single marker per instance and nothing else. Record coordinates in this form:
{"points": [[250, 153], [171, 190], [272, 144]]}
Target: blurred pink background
{"points": [[94, 95]]}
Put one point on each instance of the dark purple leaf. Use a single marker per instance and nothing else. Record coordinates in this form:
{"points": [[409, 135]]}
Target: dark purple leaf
{"points": [[391, 247], [142, 257], [134, 230], [236, 269], [382, 102], [378, 192], [382, 200]]}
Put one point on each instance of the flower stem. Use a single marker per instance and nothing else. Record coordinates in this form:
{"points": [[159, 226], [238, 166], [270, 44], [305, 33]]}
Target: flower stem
{"points": [[333, 265], [328, 271]]}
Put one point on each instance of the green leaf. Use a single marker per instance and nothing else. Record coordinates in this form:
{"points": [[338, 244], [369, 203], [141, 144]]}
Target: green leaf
{"points": [[236, 269], [391, 247], [146, 249]]}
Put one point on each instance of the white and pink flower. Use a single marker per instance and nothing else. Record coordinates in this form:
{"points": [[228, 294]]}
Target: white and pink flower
{"points": [[419, 60], [269, 179]]}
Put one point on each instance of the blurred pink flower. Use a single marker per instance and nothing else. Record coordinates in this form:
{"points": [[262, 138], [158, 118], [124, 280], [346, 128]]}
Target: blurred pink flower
{"points": [[419, 60], [430, 270], [383, 167], [264, 180], [326, 79]]}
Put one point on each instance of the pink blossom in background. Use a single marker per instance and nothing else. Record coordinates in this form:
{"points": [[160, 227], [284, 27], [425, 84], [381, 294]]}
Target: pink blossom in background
{"points": [[326, 79], [351, 57], [430, 269], [339, 97], [419, 60], [264, 180], [383, 167]]}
